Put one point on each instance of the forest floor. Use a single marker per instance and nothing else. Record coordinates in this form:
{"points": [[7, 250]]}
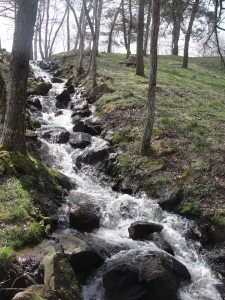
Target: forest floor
{"points": [[189, 130]]}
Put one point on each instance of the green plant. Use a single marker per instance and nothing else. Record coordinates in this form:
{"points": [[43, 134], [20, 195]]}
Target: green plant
{"points": [[34, 233], [6, 258], [201, 165]]}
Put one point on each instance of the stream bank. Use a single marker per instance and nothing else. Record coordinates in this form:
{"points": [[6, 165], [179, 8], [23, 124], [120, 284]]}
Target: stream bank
{"points": [[114, 213]]}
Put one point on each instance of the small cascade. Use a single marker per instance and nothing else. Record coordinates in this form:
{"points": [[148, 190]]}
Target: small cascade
{"points": [[118, 211]]}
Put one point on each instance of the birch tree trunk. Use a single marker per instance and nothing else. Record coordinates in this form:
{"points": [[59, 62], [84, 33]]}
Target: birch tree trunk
{"points": [[13, 137], [68, 28], [148, 127], [99, 16]]}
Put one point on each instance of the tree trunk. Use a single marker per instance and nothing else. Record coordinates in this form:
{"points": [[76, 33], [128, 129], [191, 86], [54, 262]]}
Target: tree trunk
{"points": [[124, 25], [68, 28], [40, 22], [109, 50], [140, 35], [46, 30], [35, 42], [129, 30], [188, 33], [55, 35], [177, 14], [2, 98], [80, 68], [147, 28], [99, 16], [13, 138], [148, 128]]}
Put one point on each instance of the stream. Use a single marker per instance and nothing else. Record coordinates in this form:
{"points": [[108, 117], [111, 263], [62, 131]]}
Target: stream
{"points": [[114, 221]]}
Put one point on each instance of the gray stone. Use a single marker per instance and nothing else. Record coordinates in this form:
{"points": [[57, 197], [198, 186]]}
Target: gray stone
{"points": [[141, 230], [80, 140]]}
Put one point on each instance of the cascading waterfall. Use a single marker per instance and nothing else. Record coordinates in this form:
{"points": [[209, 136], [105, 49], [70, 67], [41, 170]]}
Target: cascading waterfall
{"points": [[116, 218]]}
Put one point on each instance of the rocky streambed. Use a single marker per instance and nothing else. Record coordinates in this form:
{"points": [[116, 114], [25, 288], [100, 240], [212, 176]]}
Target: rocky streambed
{"points": [[106, 245]]}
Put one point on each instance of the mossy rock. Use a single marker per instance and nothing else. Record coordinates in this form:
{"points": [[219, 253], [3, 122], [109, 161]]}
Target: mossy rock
{"points": [[156, 165], [216, 231], [184, 177], [60, 278], [36, 292], [162, 148]]}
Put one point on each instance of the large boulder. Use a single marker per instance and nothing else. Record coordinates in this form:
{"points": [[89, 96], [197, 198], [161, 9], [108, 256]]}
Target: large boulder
{"points": [[81, 112], [93, 157], [81, 126], [60, 278], [56, 80], [169, 199], [153, 275], [84, 218], [82, 257], [84, 214], [142, 230], [80, 140], [39, 87], [56, 135], [62, 100], [70, 89], [35, 102], [97, 92]]}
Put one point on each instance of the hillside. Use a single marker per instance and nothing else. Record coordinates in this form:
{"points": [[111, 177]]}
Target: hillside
{"points": [[188, 132]]}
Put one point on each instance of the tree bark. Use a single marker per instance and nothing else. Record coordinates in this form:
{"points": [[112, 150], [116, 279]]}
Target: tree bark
{"points": [[2, 97], [129, 30], [99, 16], [46, 30], [13, 137], [124, 25], [177, 12], [55, 35], [188, 34], [40, 22], [109, 49], [68, 28], [140, 35], [147, 28], [148, 128]]}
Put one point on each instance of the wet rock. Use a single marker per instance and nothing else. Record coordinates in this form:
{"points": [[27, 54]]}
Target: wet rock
{"points": [[62, 100], [66, 182], [71, 89], [153, 275], [84, 218], [36, 292], [216, 258], [169, 199], [69, 82], [56, 80], [59, 113], [47, 65], [60, 278], [97, 92], [81, 126], [216, 227], [39, 88], [141, 230], [108, 136], [94, 156], [161, 242], [80, 140], [57, 73], [56, 135], [35, 102], [81, 112], [82, 257]]}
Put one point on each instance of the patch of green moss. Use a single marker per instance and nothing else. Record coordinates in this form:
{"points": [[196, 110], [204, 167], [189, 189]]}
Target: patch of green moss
{"points": [[7, 257], [184, 177]]}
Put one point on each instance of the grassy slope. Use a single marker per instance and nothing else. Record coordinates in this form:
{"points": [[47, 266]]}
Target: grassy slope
{"points": [[190, 118]]}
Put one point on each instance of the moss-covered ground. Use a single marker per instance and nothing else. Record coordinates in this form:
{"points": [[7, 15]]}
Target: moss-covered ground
{"points": [[189, 126]]}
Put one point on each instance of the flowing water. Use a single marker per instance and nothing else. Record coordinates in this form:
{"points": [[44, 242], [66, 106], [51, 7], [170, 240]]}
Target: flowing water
{"points": [[120, 210]]}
